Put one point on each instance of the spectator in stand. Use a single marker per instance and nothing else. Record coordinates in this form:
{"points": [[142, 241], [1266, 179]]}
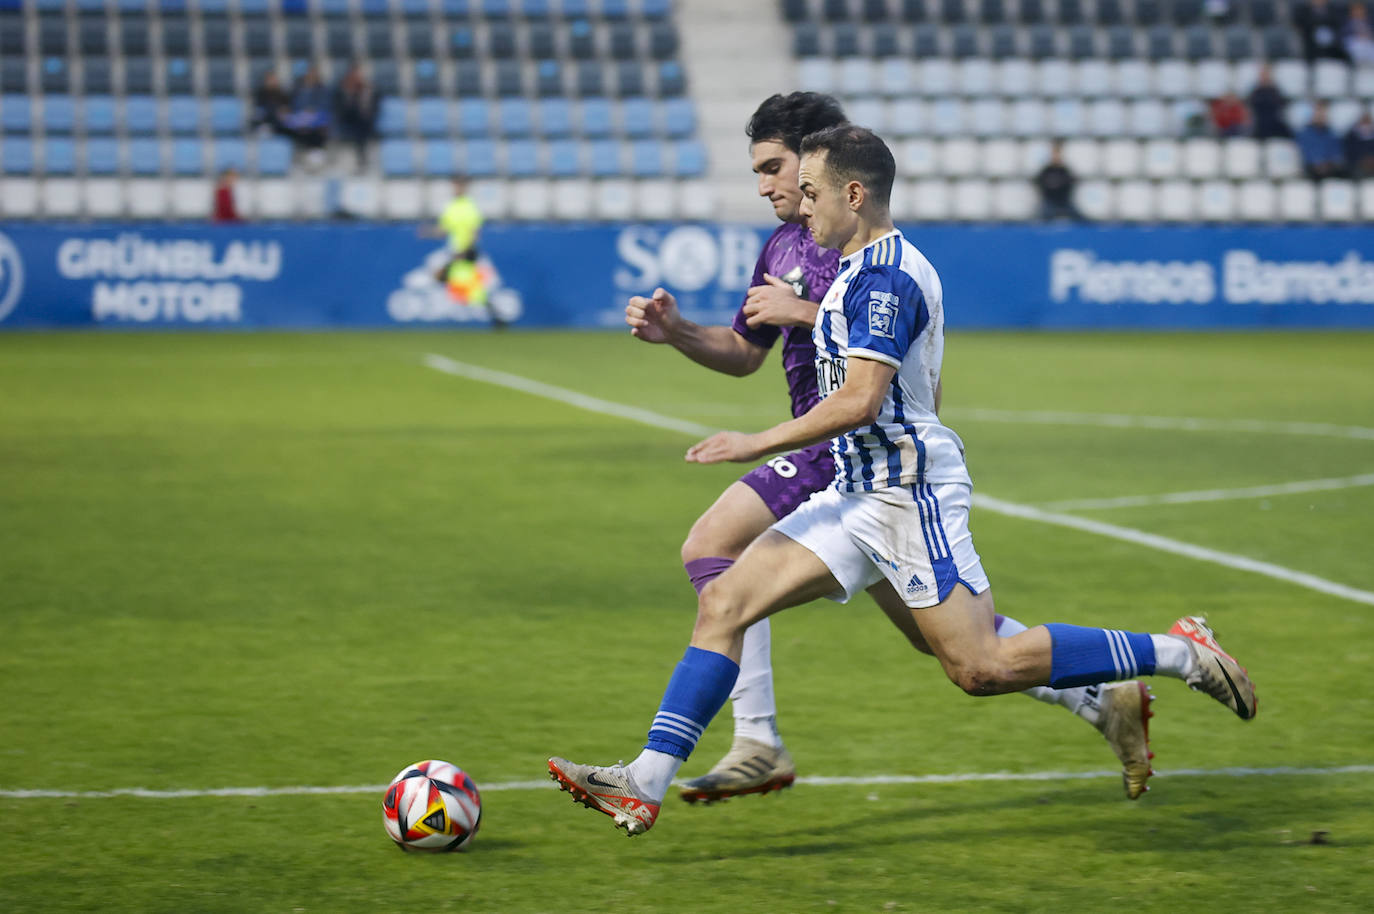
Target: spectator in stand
{"points": [[1323, 154], [1267, 106], [310, 110], [1055, 183], [271, 106], [1359, 35], [226, 208], [1359, 147], [356, 106], [1321, 26], [1230, 117]]}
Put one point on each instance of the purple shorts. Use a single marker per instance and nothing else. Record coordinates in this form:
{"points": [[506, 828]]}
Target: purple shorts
{"points": [[785, 482]]}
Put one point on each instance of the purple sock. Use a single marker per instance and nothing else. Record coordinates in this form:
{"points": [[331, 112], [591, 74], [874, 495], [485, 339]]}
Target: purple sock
{"points": [[704, 571]]}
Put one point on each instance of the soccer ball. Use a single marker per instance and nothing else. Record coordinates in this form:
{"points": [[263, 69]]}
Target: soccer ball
{"points": [[431, 806]]}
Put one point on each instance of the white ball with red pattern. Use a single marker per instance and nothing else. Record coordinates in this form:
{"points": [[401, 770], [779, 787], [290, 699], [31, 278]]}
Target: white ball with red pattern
{"points": [[431, 806]]}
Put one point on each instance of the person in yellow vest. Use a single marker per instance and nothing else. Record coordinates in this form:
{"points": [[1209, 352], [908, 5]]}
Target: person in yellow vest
{"points": [[460, 222]]}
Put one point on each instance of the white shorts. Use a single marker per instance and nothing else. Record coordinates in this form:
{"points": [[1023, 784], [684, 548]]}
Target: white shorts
{"points": [[915, 536]]}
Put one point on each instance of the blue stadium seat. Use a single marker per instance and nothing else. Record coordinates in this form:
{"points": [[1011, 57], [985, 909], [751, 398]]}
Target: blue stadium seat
{"points": [[1108, 12], [479, 158], [455, 9], [274, 156], [655, 9], [576, 9], [637, 118], [438, 159], [386, 77], [663, 41], [420, 38], [536, 9], [835, 10], [97, 77], [501, 41], [391, 120], [953, 11], [468, 78], [679, 117], [1032, 12], [16, 113], [1239, 43], [994, 12], [54, 76], [1263, 12], [425, 77], [806, 40], [589, 82], [615, 10], [59, 114], [795, 11], [255, 7], [522, 158], [514, 117], [102, 156], [474, 117], [689, 159], [397, 158], [671, 80], [138, 75], [330, 9], [581, 40], [52, 37], [844, 40], [183, 114], [874, 10], [1185, 12], [605, 158], [542, 42], [14, 75], [925, 41], [98, 116], [1147, 12], [218, 7], [12, 34], [623, 44], [145, 156], [1160, 42], [338, 38], [565, 158], [431, 117], [496, 9], [220, 78], [462, 42], [227, 115], [299, 42], [215, 36], [93, 37], [414, 9], [140, 115], [188, 156], [510, 78], [555, 117], [230, 152], [646, 159], [16, 155], [597, 120], [548, 79], [59, 156], [377, 39], [291, 8], [176, 37], [629, 79], [133, 35], [1070, 12]]}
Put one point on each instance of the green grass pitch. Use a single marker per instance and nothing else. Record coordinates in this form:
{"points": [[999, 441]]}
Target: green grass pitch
{"points": [[278, 560]]}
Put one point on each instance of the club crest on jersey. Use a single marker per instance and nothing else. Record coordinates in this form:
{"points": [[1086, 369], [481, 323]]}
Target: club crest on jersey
{"points": [[882, 312]]}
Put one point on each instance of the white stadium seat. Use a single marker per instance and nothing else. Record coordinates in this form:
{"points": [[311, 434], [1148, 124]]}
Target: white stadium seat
{"points": [[1106, 118], [1337, 201], [1083, 157], [572, 199], [1027, 117], [1094, 78], [1162, 159], [1343, 115], [1201, 157], [529, 199], [614, 199], [1281, 159], [1256, 201], [1244, 75], [1330, 79], [958, 157], [18, 197], [1297, 201], [987, 117], [1291, 77], [816, 74], [1067, 118], [930, 200], [902, 203], [1175, 201], [1132, 79], [194, 198], [1121, 158], [870, 112], [916, 158], [1363, 87], [1298, 113], [972, 200], [655, 198], [492, 198], [1149, 118], [1367, 200], [61, 198], [696, 199], [908, 117], [1034, 154], [1095, 199], [103, 198], [896, 76], [1135, 201], [362, 197], [402, 198], [1173, 79], [1216, 201], [1241, 157], [855, 76], [1054, 77], [313, 198], [1212, 78], [1000, 158], [947, 117], [1015, 77], [935, 78], [976, 76], [1014, 200], [147, 199]]}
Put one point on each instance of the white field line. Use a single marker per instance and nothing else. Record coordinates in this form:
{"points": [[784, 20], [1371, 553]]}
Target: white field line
{"points": [[544, 783], [1183, 498], [996, 505], [1170, 423]]}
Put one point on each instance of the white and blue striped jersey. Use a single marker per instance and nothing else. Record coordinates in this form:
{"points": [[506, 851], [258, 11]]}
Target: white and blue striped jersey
{"points": [[886, 304]]}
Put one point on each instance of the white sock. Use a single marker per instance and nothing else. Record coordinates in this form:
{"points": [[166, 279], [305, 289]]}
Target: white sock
{"points": [[1173, 656], [1080, 700], [755, 709], [654, 771]]}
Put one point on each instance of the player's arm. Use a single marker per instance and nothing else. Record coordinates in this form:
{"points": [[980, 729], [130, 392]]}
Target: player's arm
{"points": [[855, 404], [775, 302], [656, 319]]}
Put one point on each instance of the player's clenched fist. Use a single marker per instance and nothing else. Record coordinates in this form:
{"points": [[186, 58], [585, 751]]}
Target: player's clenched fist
{"points": [[654, 319], [776, 302], [722, 446]]}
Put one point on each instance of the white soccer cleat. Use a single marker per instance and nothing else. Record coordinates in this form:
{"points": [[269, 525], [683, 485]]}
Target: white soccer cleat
{"points": [[1214, 671], [749, 767], [1125, 722], [606, 789]]}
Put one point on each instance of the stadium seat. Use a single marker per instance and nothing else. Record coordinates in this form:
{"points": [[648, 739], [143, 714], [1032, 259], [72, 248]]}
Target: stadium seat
{"points": [[596, 118], [1083, 156], [1297, 201], [816, 74], [1027, 117], [1241, 158], [146, 198], [1173, 79], [140, 115], [1121, 158], [474, 118], [972, 200], [1106, 118], [272, 199], [183, 114], [637, 118], [468, 79], [1016, 78], [1162, 158], [138, 76], [870, 112], [514, 117], [54, 76], [522, 158], [689, 159], [61, 198], [221, 77], [930, 200], [1216, 201], [229, 152], [908, 116], [274, 156], [548, 79], [431, 117], [541, 41], [1000, 159], [191, 198], [101, 156], [1134, 201], [59, 114], [1175, 201], [1013, 200], [1068, 117], [144, 156], [227, 115], [1132, 79], [1053, 78], [188, 157], [392, 119], [855, 76], [479, 158], [604, 159], [1366, 200], [613, 199], [565, 158], [1291, 77], [896, 77], [917, 158], [59, 156], [629, 79], [1212, 78], [672, 81], [17, 155], [1337, 201], [958, 157], [679, 118], [572, 199], [438, 158], [1201, 158], [530, 199], [976, 77], [397, 158], [102, 198], [424, 77], [946, 117]]}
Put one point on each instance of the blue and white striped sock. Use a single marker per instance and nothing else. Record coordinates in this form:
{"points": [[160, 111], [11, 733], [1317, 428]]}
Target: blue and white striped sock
{"points": [[1083, 656], [697, 690]]}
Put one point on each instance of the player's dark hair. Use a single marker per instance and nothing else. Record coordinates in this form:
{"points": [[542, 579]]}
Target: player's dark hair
{"points": [[789, 118], [855, 154]]}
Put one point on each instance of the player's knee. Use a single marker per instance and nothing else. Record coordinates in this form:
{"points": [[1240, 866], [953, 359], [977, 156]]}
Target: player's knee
{"points": [[976, 678], [719, 608]]}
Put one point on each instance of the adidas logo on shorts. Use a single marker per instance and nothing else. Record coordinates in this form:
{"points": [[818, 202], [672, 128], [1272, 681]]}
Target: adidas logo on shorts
{"points": [[914, 586]]}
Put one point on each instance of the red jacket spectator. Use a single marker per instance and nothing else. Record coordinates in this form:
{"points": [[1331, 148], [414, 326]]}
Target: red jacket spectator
{"points": [[226, 209]]}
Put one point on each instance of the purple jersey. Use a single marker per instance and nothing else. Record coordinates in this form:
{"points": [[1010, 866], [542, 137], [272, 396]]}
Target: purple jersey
{"points": [[791, 255]]}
